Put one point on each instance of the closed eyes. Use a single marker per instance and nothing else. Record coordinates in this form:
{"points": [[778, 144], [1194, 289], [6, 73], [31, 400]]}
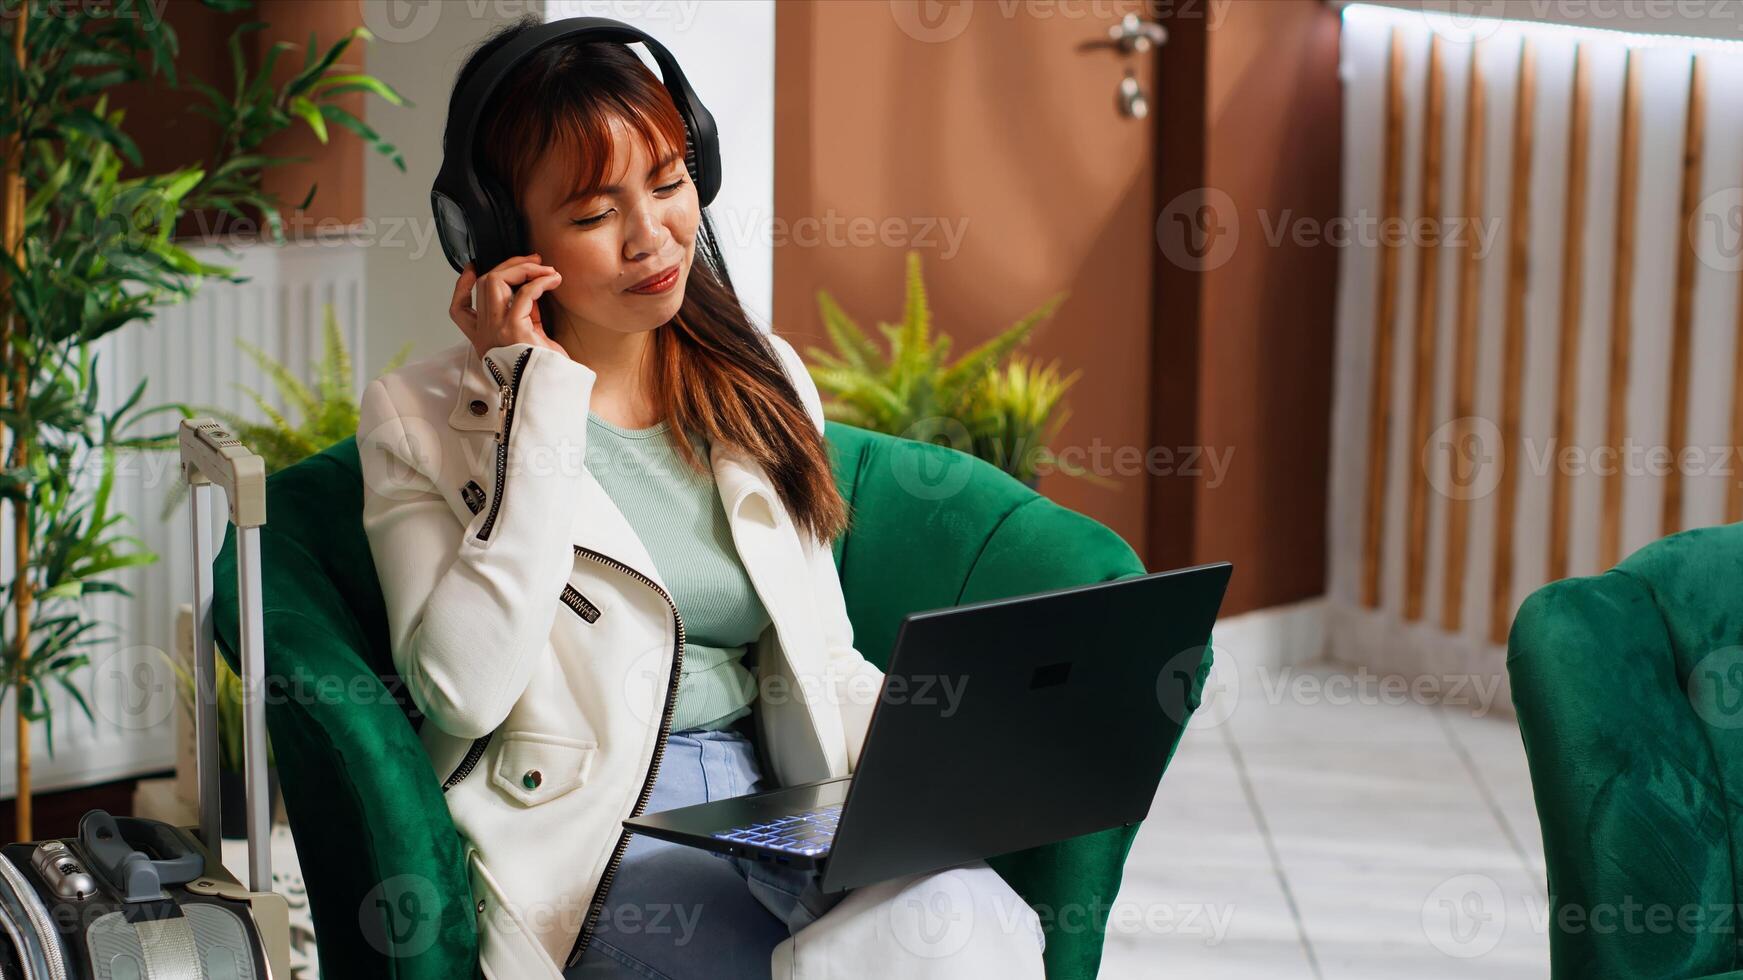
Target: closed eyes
{"points": [[596, 219]]}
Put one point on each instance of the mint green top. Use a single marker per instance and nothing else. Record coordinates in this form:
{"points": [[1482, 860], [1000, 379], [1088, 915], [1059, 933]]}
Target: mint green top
{"points": [[681, 520]]}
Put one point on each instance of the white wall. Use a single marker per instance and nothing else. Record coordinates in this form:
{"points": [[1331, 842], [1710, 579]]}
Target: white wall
{"points": [[418, 48], [727, 50]]}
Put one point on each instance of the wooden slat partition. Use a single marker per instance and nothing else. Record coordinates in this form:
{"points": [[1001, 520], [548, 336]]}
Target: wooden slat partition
{"points": [[1621, 313], [1385, 318], [1513, 345], [1683, 315], [1465, 348], [1572, 282], [1427, 308]]}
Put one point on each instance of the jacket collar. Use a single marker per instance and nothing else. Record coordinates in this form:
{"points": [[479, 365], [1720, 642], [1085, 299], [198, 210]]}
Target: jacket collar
{"points": [[762, 530], [474, 384]]}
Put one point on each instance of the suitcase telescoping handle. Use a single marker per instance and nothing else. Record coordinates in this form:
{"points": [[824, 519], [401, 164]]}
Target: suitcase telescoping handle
{"points": [[212, 456]]}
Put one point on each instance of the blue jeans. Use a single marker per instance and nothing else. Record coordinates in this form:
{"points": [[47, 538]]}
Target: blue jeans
{"points": [[675, 912]]}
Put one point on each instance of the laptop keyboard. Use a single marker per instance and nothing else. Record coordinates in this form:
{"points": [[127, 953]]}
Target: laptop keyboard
{"points": [[808, 832]]}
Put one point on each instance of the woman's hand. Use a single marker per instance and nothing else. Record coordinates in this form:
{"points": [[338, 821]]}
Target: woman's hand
{"points": [[507, 311]]}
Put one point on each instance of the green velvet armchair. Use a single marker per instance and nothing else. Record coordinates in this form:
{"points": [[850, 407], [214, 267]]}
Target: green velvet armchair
{"points": [[381, 859], [1629, 689]]}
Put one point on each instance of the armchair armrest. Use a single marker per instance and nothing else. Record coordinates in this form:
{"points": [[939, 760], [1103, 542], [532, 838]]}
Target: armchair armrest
{"points": [[372, 830]]}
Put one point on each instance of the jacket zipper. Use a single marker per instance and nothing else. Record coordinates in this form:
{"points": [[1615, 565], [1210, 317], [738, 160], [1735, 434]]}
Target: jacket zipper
{"points": [[597, 906], [509, 391], [573, 598], [468, 763]]}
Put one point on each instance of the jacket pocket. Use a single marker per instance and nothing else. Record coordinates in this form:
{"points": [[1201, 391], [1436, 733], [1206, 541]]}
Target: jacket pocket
{"points": [[534, 768], [581, 604]]}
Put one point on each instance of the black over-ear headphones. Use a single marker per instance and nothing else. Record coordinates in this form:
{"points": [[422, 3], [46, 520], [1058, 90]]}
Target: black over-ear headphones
{"points": [[476, 217]]}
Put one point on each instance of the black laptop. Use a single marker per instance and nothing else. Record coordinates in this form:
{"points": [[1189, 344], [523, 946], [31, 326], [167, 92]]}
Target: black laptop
{"points": [[1001, 725]]}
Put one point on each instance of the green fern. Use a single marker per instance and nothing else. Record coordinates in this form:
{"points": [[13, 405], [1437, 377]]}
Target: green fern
{"points": [[916, 380], [326, 406]]}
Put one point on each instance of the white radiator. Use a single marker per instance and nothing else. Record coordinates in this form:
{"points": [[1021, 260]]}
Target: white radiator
{"points": [[190, 354]]}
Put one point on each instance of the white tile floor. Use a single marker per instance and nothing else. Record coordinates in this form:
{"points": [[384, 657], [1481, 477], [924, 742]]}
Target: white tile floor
{"points": [[1320, 829]]}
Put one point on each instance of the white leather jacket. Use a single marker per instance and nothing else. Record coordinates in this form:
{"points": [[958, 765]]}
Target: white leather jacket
{"points": [[535, 635]]}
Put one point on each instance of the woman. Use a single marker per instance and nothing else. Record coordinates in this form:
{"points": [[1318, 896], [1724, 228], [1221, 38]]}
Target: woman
{"points": [[597, 616]]}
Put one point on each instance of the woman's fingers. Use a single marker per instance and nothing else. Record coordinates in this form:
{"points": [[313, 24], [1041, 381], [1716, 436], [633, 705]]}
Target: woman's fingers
{"points": [[460, 307], [527, 294], [514, 275]]}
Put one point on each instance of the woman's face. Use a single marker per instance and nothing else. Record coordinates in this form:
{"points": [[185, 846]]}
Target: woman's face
{"points": [[642, 224]]}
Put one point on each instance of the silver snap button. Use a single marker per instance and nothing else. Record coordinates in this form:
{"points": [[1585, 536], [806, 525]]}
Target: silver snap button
{"points": [[532, 779], [481, 906], [477, 407]]}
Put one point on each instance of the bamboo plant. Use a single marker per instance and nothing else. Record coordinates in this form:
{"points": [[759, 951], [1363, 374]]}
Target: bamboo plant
{"points": [[84, 252]]}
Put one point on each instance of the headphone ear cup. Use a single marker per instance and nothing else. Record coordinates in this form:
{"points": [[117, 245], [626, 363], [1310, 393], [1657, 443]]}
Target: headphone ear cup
{"points": [[498, 234]]}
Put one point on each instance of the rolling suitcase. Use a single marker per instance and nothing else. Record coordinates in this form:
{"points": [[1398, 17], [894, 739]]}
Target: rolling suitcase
{"points": [[135, 899]]}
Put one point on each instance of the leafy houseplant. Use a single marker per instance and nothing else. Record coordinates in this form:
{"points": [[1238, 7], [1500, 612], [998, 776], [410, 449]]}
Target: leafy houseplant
{"points": [[914, 391], [326, 406], [1011, 416], [84, 252]]}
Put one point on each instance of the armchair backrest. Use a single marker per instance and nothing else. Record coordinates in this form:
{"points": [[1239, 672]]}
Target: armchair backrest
{"points": [[932, 527], [1629, 691]]}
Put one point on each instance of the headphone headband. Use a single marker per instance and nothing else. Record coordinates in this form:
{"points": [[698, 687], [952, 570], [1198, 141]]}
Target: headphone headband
{"points": [[475, 218]]}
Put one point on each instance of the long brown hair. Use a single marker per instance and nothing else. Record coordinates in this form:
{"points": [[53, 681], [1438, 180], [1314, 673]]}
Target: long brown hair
{"points": [[714, 373]]}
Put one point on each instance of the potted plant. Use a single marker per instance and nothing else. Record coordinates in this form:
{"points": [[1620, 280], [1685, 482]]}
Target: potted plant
{"points": [[326, 406], [1011, 417], [978, 403], [85, 251]]}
